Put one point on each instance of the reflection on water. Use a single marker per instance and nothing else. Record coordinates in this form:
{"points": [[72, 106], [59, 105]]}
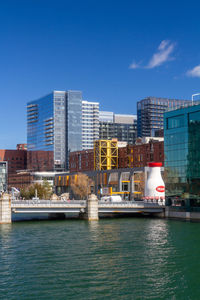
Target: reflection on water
{"points": [[107, 259]]}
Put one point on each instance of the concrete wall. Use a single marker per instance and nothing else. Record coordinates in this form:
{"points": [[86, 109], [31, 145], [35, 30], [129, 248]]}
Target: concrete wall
{"points": [[171, 213]]}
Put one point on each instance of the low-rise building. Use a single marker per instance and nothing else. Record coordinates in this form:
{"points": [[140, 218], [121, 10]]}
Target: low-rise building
{"points": [[17, 159], [24, 178], [124, 156]]}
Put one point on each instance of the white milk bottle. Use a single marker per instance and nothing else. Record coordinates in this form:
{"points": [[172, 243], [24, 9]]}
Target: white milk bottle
{"points": [[155, 187]]}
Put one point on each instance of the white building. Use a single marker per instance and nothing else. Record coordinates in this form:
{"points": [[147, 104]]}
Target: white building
{"points": [[3, 176], [90, 124]]}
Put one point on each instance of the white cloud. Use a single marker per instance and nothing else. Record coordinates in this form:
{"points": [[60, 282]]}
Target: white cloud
{"points": [[162, 55], [163, 44], [195, 72], [134, 65]]}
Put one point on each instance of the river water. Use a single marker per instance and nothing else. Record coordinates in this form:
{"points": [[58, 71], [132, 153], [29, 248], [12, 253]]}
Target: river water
{"points": [[131, 258]]}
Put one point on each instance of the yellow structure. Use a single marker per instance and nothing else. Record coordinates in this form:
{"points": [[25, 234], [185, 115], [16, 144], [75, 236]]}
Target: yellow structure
{"points": [[105, 155]]}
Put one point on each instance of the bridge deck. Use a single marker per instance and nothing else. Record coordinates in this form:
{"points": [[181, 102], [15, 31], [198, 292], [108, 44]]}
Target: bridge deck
{"points": [[77, 206]]}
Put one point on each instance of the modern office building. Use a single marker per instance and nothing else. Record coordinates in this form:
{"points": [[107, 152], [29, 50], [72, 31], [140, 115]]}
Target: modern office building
{"points": [[150, 114], [120, 126], [3, 176], [54, 125], [90, 124], [182, 155]]}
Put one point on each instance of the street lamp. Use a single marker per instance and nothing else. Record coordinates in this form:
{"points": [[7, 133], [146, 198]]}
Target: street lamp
{"points": [[193, 95]]}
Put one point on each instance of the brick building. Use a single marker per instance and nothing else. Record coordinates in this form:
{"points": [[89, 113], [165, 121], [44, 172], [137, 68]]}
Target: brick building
{"points": [[40, 161], [128, 157], [20, 180], [81, 161], [17, 159], [141, 155]]}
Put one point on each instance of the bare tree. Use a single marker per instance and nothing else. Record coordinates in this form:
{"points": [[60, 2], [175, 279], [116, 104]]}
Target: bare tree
{"points": [[139, 179], [81, 185]]}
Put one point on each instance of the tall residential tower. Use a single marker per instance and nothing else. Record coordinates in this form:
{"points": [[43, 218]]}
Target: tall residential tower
{"points": [[90, 124]]}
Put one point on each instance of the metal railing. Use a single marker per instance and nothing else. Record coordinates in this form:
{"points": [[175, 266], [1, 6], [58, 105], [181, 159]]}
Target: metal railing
{"points": [[48, 202], [130, 204]]}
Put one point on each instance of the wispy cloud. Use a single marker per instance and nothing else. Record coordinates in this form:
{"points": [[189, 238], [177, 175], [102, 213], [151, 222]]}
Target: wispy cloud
{"points": [[195, 72], [134, 65], [162, 55]]}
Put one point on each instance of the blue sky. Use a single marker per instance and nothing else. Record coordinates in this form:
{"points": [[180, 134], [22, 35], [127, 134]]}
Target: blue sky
{"points": [[116, 52]]}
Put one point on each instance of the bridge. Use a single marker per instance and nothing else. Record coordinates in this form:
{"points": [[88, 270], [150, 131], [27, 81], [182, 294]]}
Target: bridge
{"points": [[89, 209], [79, 206]]}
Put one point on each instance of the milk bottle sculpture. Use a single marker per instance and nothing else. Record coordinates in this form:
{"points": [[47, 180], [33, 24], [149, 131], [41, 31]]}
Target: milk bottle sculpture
{"points": [[155, 187]]}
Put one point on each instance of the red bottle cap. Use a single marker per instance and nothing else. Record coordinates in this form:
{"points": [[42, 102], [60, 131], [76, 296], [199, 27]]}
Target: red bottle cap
{"points": [[155, 164]]}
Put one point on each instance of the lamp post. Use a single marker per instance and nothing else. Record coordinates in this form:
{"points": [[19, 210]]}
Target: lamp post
{"points": [[193, 95]]}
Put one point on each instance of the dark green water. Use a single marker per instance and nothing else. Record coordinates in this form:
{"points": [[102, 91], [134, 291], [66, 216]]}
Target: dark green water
{"points": [[110, 259]]}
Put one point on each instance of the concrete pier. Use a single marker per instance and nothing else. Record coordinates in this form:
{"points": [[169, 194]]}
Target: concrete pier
{"points": [[92, 212], [5, 209]]}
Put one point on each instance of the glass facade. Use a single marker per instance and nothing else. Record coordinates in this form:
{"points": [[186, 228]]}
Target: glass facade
{"points": [[150, 114], [73, 123], [54, 123], [182, 155]]}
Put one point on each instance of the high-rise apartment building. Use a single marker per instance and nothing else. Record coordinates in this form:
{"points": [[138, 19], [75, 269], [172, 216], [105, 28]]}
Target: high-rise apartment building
{"points": [[54, 128], [90, 124], [150, 113], [120, 126]]}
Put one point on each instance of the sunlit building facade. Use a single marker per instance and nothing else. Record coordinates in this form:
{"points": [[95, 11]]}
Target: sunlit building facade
{"points": [[90, 124], [54, 125]]}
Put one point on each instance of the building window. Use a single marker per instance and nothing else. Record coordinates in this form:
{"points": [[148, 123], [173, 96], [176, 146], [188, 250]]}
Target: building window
{"points": [[175, 122]]}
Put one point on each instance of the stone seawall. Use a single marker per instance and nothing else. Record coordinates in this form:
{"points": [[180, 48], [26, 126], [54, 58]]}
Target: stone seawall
{"points": [[171, 213]]}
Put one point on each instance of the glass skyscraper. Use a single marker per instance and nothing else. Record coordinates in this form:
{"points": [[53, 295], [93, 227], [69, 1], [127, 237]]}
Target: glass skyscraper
{"points": [[150, 114], [54, 125], [182, 154]]}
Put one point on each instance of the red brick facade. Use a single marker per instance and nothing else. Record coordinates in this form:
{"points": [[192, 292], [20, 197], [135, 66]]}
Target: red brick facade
{"points": [[128, 157], [40, 160], [17, 159], [81, 161], [20, 180], [141, 155]]}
